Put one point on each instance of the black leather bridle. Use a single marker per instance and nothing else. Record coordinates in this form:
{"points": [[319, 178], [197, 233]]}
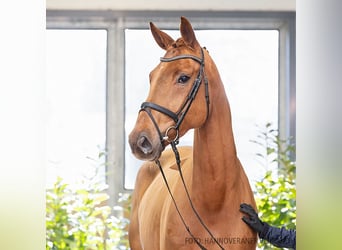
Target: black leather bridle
{"points": [[180, 115], [178, 119]]}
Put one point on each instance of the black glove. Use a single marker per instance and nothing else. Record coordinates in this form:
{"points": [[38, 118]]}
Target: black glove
{"points": [[253, 220]]}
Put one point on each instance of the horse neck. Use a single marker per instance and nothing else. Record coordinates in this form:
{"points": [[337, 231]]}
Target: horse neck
{"points": [[215, 162]]}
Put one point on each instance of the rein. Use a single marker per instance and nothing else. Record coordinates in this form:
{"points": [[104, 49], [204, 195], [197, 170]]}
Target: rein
{"points": [[178, 119]]}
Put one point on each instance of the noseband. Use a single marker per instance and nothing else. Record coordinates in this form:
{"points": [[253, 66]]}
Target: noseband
{"points": [[178, 119], [180, 115]]}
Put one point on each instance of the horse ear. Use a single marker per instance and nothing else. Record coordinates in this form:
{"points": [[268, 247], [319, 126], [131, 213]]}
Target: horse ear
{"points": [[188, 33], [163, 39]]}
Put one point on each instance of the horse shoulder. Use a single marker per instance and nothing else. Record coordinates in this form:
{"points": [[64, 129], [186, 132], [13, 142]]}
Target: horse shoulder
{"points": [[145, 176], [149, 170]]}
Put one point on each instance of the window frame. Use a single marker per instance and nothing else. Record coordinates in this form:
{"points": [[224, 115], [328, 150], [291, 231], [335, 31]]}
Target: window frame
{"points": [[115, 22]]}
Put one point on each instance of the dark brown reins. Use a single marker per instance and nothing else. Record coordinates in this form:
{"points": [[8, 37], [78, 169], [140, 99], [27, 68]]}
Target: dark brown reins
{"points": [[178, 119]]}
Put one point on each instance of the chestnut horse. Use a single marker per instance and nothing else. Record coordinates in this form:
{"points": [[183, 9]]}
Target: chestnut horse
{"points": [[186, 92]]}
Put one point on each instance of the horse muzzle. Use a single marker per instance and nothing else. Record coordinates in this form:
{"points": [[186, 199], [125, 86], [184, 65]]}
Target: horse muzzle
{"points": [[144, 147]]}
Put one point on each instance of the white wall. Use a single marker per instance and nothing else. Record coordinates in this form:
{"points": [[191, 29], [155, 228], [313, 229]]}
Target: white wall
{"points": [[212, 5]]}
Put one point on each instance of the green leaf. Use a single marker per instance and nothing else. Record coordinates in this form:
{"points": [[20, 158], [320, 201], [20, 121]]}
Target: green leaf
{"points": [[276, 197]]}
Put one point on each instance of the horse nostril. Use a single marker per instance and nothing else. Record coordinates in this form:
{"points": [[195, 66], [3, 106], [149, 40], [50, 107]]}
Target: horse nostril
{"points": [[144, 145]]}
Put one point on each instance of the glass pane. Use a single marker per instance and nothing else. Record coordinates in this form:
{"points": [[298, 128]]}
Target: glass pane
{"points": [[76, 92], [248, 64]]}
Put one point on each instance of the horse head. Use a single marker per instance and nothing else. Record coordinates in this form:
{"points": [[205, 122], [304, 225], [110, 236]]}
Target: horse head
{"points": [[178, 98]]}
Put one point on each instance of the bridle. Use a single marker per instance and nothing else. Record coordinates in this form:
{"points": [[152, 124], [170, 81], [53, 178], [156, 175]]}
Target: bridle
{"points": [[180, 115], [178, 118]]}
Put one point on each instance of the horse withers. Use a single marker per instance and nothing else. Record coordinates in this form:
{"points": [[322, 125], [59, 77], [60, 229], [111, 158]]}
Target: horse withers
{"points": [[187, 197]]}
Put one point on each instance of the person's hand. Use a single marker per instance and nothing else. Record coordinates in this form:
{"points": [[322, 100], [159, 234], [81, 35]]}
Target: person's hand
{"points": [[253, 220]]}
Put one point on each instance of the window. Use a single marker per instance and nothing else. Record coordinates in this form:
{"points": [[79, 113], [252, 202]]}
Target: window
{"points": [[76, 93], [270, 35], [248, 64]]}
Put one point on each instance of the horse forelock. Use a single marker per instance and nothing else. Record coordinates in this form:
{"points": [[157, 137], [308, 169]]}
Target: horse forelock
{"points": [[179, 45]]}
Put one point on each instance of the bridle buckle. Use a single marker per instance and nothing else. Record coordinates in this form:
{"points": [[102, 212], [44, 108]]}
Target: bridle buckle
{"points": [[167, 136]]}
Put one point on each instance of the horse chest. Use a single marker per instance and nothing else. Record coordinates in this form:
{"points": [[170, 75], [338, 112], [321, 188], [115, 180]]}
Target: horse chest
{"points": [[158, 218], [161, 226]]}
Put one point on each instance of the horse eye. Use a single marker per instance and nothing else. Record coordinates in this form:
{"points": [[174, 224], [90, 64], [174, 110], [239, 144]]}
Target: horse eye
{"points": [[183, 79]]}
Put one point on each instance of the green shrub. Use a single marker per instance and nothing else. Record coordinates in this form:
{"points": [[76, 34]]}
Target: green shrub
{"points": [[77, 217], [276, 191]]}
